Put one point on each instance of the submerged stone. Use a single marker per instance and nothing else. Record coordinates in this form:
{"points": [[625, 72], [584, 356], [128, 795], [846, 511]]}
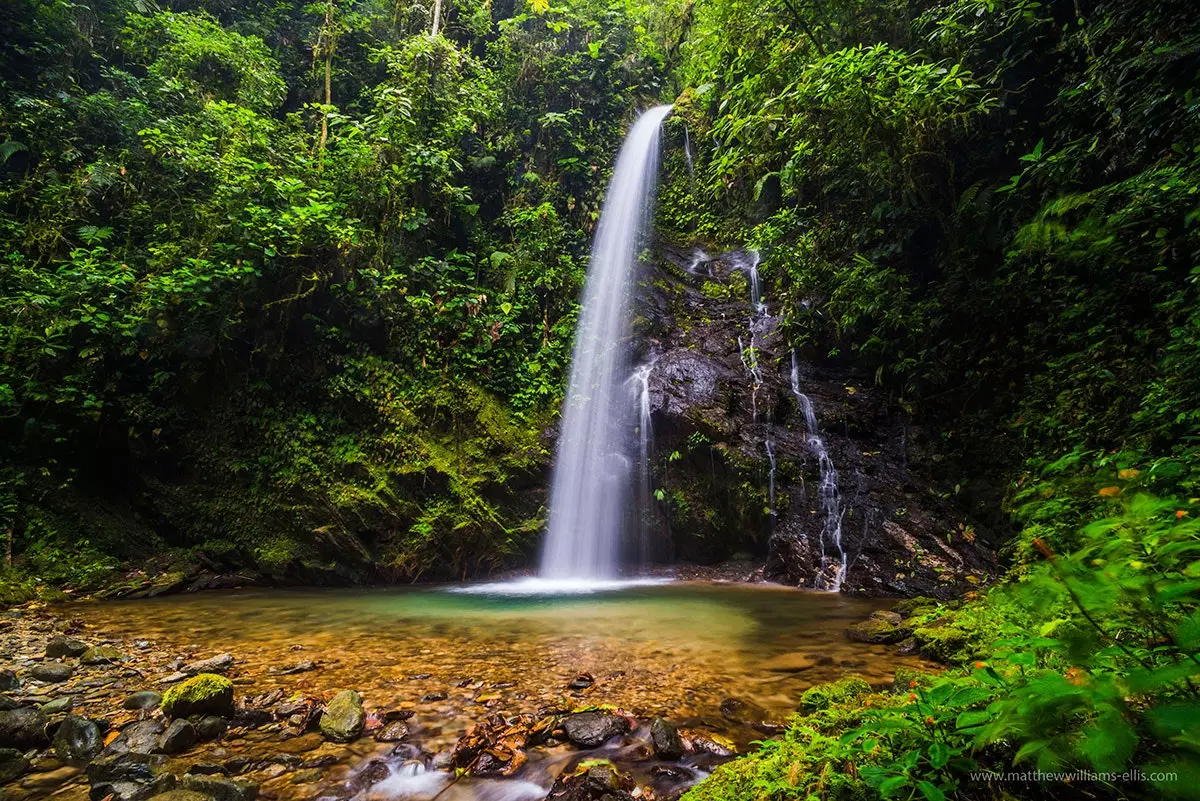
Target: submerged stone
{"points": [[342, 721], [592, 729]]}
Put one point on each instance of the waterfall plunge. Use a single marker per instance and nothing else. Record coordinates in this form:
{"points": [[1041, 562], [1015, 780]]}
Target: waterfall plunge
{"points": [[590, 487]]}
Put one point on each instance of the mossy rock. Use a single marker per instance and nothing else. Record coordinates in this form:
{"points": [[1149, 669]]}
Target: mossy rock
{"points": [[879, 629], [204, 694], [944, 643], [912, 607], [343, 718], [822, 696]]}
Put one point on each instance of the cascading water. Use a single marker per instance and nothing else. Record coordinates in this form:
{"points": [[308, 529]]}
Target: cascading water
{"points": [[645, 488], [827, 493], [771, 478], [699, 257], [592, 472]]}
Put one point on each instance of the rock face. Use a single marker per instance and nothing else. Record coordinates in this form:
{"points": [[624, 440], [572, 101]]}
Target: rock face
{"points": [[342, 721], [720, 389]]}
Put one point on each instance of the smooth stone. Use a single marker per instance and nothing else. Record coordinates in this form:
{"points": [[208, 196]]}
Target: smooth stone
{"points": [[791, 663], [343, 718], [9, 681], [219, 788], [58, 705], [13, 764], [52, 672], [179, 737], [122, 767], [392, 732], [23, 728], [133, 791], [302, 744], [45, 781], [592, 729], [211, 727], [145, 699], [102, 655], [77, 740], [60, 647], [217, 664]]}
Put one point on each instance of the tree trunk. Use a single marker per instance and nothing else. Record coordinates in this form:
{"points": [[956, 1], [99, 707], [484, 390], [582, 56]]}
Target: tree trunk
{"points": [[437, 16]]}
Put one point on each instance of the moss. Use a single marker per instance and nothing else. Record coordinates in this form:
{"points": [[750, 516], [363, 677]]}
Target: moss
{"points": [[945, 643], [823, 696], [904, 679], [911, 607], [206, 693]]}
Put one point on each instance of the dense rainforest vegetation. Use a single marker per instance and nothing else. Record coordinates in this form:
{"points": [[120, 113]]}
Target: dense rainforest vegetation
{"points": [[292, 287]]}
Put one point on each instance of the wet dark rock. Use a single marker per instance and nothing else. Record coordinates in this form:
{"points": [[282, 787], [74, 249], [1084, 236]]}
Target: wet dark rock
{"points": [[326, 761], [303, 666], [208, 769], [182, 795], [343, 719], [219, 788], [665, 737], [61, 647], [22, 728], [179, 737], [52, 672], [122, 767], [141, 737], [9, 681], [741, 711], [146, 699], [220, 663], [907, 646], [7, 704], [132, 790], [710, 743], [211, 727], [103, 655], [438, 695], [592, 729], [392, 732], [252, 718], [77, 740], [581, 682], [13, 765], [598, 783]]}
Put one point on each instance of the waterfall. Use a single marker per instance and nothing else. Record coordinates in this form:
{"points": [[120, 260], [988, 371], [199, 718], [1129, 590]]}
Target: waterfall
{"points": [[771, 478], [687, 155], [645, 488], [750, 362], [589, 488], [827, 492], [699, 257]]}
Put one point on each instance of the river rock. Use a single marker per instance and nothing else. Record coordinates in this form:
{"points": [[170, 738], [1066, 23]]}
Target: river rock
{"points": [[9, 681], [879, 630], [598, 783], [141, 737], [342, 721], [181, 795], [211, 727], [103, 655], [7, 704], [13, 764], [665, 737], [77, 740], [217, 664], [52, 672], [392, 732], [146, 699], [22, 728], [61, 647], [218, 788], [592, 729], [58, 705], [791, 663], [710, 743], [179, 737], [205, 694], [133, 791]]}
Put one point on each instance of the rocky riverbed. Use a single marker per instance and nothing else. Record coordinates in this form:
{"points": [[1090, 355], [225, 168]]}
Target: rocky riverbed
{"points": [[306, 695]]}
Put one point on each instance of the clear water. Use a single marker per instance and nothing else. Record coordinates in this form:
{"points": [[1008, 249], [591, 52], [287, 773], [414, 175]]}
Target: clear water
{"points": [[590, 485]]}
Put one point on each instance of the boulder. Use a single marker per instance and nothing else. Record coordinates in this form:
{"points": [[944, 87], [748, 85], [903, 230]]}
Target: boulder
{"points": [[219, 788], [343, 718], [141, 737], [146, 699], [61, 647], [133, 791], [879, 630], [179, 737], [592, 729], [666, 740], [58, 705], [77, 740], [9, 681], [205, 694], [52, 672], [13, 765], [211, 727], [22, 728]]}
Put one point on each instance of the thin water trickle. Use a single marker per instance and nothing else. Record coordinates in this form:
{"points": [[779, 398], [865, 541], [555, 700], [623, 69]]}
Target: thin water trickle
{"points": [[827, 493], [771, 478], [592, 472], [645, 488], [699, 257]]}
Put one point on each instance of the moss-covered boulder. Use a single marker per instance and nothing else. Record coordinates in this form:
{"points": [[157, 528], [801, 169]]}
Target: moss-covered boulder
{"points": [[944, 642], [206, 694], [343, 718], [917, 605], [823, 696], [882, 628]]}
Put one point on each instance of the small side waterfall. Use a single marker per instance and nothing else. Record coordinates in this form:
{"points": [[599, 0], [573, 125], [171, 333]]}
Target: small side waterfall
{"points": [[590, 485], [645, 485], [771, 478], [827, 493]]}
